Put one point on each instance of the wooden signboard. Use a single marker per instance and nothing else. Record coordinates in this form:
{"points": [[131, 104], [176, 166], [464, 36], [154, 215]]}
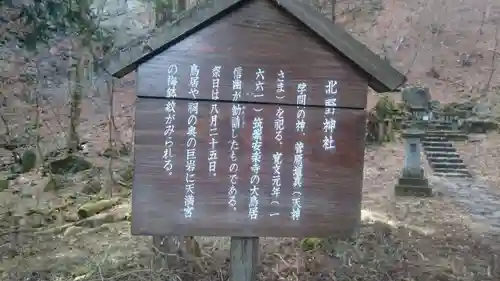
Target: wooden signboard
{"points": [[246, 151]]}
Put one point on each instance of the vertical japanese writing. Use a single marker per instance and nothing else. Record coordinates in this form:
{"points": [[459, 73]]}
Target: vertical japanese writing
{"points": [[190, 160], [329, 124], [253, 206], [280, 85], [298, 180], [300, 124], [279, 126], [189, 199], [169, 130], [214, 112], [172, 81], [298, 159], [276, 180], [279, 123], [194, 80], [236, 112], [170, 118], [257, 130], [259, 83], [237, 83]]}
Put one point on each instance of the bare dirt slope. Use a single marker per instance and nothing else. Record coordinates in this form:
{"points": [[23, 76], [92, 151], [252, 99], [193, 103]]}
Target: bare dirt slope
{"points": [[449, 46]]}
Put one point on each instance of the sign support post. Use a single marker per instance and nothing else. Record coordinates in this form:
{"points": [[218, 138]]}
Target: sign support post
{"points": [[244, 255]]}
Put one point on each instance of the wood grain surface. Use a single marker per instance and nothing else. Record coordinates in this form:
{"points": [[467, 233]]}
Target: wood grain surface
{"points": [[332, 179]]}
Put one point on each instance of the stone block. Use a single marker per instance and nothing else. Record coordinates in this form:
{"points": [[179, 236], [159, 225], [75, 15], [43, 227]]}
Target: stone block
{"points": [[411, 190], [413, 181], [480, 126], [413, 186], [417, 173]]}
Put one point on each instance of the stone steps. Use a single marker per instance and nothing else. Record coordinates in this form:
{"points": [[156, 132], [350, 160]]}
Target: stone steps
{"points": [[448, 135], [439, 149], [448, 171], [438, 154], [443, 158], [432, 126], [440, 127], [448, 165], [435, 138], [452, 175], [434, 143]]}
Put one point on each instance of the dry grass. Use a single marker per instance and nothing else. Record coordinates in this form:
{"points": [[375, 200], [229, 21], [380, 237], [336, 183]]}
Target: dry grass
{"points": [[400, 239], [380, 252], [482, 155]]}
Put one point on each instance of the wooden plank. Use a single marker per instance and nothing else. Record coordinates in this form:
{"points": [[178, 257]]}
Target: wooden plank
{"points": [[332, 179], [244, 257]]}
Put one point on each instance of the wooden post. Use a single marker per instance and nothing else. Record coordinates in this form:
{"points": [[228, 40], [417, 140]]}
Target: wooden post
{"points": [[244, 255], [163, 250]]}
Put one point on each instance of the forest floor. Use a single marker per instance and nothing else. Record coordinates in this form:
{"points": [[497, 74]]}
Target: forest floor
{"points": [[445, 45]]}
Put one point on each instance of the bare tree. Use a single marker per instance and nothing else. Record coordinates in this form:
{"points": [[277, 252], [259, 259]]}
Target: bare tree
{"points": [[163, 11], [181, 5], [333, 3]]}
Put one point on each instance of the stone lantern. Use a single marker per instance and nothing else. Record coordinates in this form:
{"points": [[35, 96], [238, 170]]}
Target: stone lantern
{"points": [[412, 180]]}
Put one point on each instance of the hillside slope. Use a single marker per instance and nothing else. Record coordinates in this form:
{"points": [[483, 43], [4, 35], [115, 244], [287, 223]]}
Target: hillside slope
{"points": [[450, 46]]}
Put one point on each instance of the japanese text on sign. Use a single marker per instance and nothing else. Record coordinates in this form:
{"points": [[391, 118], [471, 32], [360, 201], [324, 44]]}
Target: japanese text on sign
{"points": [[329, 124], [276, 158], [170, 118]]}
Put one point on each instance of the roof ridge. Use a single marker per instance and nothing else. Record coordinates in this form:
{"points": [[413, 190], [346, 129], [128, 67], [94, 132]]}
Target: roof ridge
{"points": [[382, 77]]}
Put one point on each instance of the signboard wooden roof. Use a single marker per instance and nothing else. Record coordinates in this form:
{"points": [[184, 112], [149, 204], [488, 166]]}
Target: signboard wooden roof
{"points": [[250, 122], [382, 76]]}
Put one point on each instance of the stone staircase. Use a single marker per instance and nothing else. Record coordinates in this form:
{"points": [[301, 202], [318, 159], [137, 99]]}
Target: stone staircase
{"points": [[438, 147]]}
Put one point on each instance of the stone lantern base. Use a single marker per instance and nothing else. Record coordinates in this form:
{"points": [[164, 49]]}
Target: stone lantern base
{"points": [[413, 185], [412, 180]]}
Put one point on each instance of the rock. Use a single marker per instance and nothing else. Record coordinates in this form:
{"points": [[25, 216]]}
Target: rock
{"points": [[461, 110], [481, 110], [71, 217], [92, 208], [93, 186], [72, 231], [110, 153], [71, 164], [477, 137], [4, 184], [28, 161], [480, 126], [127, 175], [416, 97], [82, 277], [54, 184]]}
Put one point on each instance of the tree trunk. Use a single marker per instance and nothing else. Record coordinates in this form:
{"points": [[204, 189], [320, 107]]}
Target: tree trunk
{"points": [[163, 12], [181, 5], [333, 3], [76, 89]]}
